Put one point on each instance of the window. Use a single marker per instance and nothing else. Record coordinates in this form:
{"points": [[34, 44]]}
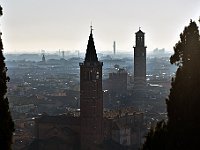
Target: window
{"points": [[97, 75]]}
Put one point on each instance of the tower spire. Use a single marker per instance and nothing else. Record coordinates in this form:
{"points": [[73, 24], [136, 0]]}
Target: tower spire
{"points": [[91, 55], [91, 28], [91, 98]]}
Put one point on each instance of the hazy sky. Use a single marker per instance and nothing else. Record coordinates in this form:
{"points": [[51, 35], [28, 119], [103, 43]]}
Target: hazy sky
{"points": [[32, 25]]}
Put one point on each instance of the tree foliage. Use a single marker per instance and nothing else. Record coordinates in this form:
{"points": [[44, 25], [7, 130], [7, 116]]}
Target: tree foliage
{"points": [[153, 138], [184, 99], [6, 123], [183, 104]]}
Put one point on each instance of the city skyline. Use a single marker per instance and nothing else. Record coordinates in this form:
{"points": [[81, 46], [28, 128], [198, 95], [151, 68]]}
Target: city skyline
{"points": [[32, 26]]}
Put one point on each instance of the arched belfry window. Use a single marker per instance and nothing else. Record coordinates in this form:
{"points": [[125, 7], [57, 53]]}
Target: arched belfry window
{"points": [[140, 41]]}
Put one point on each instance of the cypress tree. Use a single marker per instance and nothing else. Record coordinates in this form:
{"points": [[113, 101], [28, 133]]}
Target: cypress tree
{"points": [[183, 104], [184, 99], [182, 130], [6, 123]]}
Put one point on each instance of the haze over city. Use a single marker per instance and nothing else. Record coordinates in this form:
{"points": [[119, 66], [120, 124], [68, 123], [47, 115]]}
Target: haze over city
{"points": [[99, 75], [30, 26]]}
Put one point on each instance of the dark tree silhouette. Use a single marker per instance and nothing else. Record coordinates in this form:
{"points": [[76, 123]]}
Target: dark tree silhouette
{"points": [[184, 99], [157, 138], [182, 130], [6, 123]]}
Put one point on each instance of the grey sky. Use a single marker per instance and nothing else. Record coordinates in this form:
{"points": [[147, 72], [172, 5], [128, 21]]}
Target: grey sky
{"points": [[32, 25]]}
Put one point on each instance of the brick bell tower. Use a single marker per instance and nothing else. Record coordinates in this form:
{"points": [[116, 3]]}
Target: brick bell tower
{"points": [[140, 60], [91, 98]]}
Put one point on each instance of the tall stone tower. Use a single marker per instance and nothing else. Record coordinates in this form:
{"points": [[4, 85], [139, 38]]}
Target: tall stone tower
{"points": [[139, 60], [91, 98]]}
